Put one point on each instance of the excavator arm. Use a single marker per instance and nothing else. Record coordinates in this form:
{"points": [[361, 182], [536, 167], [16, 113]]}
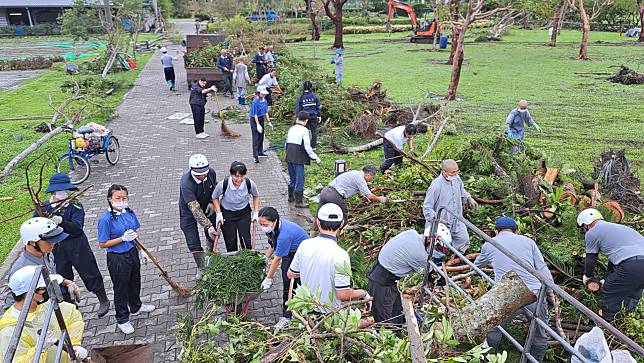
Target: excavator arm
{"points": [[393, 4]]}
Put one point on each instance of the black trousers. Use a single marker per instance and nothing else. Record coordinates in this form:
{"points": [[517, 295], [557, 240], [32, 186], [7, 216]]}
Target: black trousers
{"points": [[312, 125], [125, 272], [623, 285], [228, 83], [236, 223], [190, 230], [286, 282], [76, 252], [258, 138], [391, 157], [169, 74], [386, 305], [198, 115]]}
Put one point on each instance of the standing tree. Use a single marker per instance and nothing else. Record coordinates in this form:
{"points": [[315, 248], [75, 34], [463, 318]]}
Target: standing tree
{"points": [[597, 6], [556, 18], [473, 13], [313, 12], [336, 17], [79, 20], [640, 9], [455, 14]]}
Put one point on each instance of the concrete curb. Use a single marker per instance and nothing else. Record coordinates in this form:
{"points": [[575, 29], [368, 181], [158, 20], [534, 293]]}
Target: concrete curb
{"points": [[8, 262]]}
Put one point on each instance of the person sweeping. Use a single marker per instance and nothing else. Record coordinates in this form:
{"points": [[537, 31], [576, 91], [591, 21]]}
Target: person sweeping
{"points": [[298, 154]]}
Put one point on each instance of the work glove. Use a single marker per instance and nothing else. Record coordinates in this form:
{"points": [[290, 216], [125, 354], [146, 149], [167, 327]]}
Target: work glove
{"points": [[267, 283], [259, 128], [318, 160], [50, 340], [267, 259], [537, 127], [270, 124], [56, 219], [213, 88], [585, 279], [368, 297], [210, 210], [129, 236], [80, 352], [220, 219], [472, 203], [383, 199], [212, 231], [254, 217], [143, 257], [74, 291]]}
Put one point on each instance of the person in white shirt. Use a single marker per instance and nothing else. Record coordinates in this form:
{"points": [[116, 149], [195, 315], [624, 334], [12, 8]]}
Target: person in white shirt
{"points": [[270, 83], [397, 137], [324, 266], [298, 153]]}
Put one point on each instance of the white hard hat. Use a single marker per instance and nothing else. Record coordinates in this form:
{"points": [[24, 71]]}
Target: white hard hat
{"points": [[20, 281], [164, 50], [330, 213], [442, 233], [588, 216], [198, 164], [37, 228], [262, 90]]}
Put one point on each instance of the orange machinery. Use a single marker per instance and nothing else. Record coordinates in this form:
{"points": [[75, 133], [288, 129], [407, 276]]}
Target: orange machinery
{"points": [[422, 34]]}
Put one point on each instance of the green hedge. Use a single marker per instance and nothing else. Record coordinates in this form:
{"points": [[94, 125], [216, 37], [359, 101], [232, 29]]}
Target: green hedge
{"points": [[40, 29], [374, 29]]}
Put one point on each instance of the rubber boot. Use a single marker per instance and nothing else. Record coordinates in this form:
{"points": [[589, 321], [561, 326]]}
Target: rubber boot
{"points": [[299, 203], [291, 194], [199, 260], [103, 303]]}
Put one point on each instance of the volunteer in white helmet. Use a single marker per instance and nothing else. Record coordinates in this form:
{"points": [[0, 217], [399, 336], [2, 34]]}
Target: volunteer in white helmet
{"points": [[19, 283], [402, 255], [39, 235], [624, 249], [195, 207]]}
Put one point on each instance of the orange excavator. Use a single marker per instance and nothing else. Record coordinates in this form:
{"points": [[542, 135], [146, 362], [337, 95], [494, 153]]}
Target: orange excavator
{"points": [[424, 33]]}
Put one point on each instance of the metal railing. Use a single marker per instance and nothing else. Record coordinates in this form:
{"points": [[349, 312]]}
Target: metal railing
{"points": [[546, 283], [53, 309]]}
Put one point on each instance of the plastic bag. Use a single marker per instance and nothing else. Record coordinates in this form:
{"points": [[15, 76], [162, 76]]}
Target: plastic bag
{"points": [[622, 356], [593, 346]]}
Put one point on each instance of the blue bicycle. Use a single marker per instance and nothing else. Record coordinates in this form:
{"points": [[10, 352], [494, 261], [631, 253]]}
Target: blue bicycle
{"points": [[81, 148]]}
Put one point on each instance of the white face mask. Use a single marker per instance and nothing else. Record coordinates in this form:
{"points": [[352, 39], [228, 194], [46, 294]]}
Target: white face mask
{"points": [[119, 205], [523, 110], [60, 195], [197, 180], [450, 177], [267, 229]]}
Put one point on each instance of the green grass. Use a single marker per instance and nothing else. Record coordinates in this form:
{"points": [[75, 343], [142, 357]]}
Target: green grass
{"points": [[581, 115], [30, 99]]}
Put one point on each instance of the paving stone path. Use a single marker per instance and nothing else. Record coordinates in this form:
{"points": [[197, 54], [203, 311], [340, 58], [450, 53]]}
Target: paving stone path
{"points": [[154, 154]]}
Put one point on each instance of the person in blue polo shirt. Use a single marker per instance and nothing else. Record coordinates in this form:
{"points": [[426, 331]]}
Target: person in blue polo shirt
{"points": [[117, 228], [284, 237], [258, 114]]}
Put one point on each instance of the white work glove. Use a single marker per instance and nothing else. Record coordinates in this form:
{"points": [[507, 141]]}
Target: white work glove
{"points": [[74, 291], [213, 88], [259, 128], [80, 352], [585, 279], [50, 340], [56, 219], [270, 124], [143, 257], [255, 216], [318, 161], [367, 297], [212, 231], [129, 236], [267, 283], [220, 219], [210, 210], [382, 199], [472, 203]]}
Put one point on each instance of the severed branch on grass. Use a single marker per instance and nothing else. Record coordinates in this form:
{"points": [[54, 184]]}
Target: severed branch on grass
{"points": [[435, 140]]}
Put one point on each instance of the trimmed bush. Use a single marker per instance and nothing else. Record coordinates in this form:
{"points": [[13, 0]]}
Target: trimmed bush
{"points": [[28, 64], [40, 29]]}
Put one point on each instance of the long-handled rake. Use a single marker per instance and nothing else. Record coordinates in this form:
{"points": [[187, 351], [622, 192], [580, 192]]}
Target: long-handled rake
{"points": [[178, 288]]}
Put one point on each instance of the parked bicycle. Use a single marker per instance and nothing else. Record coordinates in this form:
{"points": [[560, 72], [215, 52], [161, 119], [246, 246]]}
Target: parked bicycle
{"points": [[81, 147]]}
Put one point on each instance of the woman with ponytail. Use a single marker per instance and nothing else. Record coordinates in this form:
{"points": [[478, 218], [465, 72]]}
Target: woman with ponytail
{"points": [[284, 237], [117, 228]]}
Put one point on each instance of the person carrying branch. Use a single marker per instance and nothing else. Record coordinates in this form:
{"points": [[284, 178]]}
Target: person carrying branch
{"points": [[516, 120], [525, 249], [298, 154], [397, 137], [402, 255], [284, 238], [117, 232], [447, 190], [624, 249], [195, 207]]}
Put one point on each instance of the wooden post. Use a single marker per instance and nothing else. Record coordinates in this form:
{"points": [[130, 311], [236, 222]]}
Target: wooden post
{"points": [[413, 332]]}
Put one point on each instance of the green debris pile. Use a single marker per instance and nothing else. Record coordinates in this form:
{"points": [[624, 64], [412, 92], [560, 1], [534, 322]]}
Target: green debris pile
{"points": [[204, 57]]}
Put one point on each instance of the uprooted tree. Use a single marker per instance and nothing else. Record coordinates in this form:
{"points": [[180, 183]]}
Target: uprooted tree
{"points": [[336, 17]]}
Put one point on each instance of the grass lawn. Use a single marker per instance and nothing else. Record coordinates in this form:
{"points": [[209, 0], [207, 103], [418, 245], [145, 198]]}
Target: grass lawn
{"points": [[581, 115], [30, 99]]}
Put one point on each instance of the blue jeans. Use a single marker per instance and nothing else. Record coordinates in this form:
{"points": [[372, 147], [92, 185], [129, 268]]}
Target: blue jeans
{"points": [[296, 174]]}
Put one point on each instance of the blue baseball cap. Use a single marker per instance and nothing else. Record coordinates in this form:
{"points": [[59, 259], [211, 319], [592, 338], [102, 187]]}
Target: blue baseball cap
{"points": [[58, 182], [339, 51], [505, 223]]}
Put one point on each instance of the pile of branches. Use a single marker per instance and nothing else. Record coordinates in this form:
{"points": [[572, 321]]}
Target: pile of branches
{"points": [[363, 126], [618, 181], [627, 76]]}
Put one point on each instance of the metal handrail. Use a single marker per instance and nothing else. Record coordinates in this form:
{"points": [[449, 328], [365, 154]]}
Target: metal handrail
{"points": [[542, 279], [53, 309]]}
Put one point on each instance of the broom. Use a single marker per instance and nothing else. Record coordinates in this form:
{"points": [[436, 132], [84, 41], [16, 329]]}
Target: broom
{"points": [[224, 128], [178, 288]]}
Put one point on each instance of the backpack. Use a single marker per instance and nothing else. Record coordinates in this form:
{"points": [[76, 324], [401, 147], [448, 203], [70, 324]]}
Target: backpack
{"points": [[225, 187]]}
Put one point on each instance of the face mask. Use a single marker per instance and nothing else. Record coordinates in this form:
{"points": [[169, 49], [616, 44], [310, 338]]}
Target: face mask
{"points": [[449, 177], [267, 229], [522, 110], [45, 298], [120, 205], [60, 195], [197, 180]]}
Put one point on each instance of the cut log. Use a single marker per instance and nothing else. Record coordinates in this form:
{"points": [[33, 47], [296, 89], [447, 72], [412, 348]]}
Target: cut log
{"points": [[413, 332], [346, 150], [551, 175], [503, 299]]}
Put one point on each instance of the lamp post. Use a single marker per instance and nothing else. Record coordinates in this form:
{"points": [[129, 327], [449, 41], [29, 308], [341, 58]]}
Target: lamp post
{"points": [[340, 167]]}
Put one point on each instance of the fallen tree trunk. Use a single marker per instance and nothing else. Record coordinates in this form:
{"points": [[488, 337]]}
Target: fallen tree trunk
{"points": [[435, 140], [355, 149], [413, 332], [503, 299]]}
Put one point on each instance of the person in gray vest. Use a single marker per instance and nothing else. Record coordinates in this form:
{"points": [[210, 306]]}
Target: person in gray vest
{"points": [[402, 255], [447, 190], [516, 120], [298, 154], [624, 249], [525, 249]]}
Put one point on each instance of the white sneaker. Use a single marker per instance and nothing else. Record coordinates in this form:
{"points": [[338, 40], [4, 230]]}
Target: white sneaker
{"points": [[202, 135], [145, 308], [126, 328], [282, 323]]}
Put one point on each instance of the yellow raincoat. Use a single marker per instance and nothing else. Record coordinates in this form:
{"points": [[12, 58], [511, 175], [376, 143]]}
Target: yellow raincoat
{"points": [[35, 321]]}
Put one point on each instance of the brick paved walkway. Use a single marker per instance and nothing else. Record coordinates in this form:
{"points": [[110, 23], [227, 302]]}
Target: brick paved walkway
{"points": [[154, 154]]}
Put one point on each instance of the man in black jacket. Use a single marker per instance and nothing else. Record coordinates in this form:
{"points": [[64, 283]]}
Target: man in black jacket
{"points": [[260, 63], [198, 94], [225, 63], [310, 103]]}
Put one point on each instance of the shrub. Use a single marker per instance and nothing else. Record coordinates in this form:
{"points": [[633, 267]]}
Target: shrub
{"points": [[28, 64], [368, 29], [40, 29]]}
